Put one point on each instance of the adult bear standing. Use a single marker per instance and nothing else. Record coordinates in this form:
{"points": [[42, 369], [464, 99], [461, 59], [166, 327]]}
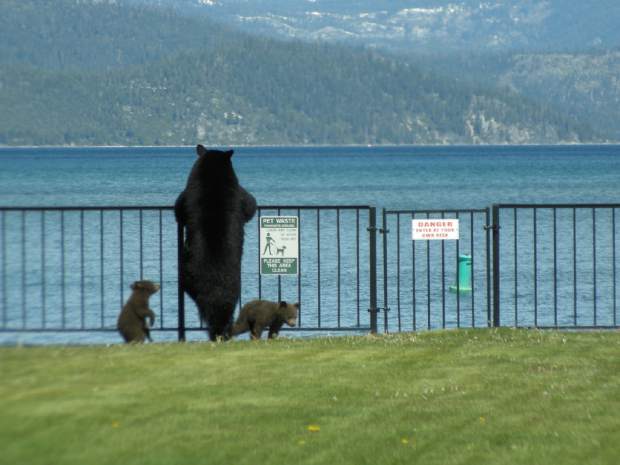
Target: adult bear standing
{"points": [[214, 208]]}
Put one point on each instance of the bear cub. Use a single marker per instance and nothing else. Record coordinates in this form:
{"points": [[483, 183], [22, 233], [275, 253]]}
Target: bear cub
{"points": [[256, 315], [132, 320]]}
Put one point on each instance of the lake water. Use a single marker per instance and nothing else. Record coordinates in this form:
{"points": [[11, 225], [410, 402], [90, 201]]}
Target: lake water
{"points": [[391, 177], [399, 178]]}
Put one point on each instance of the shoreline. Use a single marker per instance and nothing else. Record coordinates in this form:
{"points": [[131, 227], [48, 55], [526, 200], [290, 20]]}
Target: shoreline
{"points": [[327, 146]]}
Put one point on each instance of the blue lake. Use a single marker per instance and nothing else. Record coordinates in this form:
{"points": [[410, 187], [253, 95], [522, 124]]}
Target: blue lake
{"points": [[43, 281], [391, 177]]}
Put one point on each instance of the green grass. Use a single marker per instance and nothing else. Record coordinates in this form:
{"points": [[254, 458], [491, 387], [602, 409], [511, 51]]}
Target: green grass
{"points": [[454, 397]]}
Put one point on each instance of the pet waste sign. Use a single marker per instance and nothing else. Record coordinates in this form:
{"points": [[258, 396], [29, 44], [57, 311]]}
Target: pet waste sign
{"points": [[279, 245], [435, 229]]}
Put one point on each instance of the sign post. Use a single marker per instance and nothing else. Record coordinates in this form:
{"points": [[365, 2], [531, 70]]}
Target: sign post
{"points": [[279, 245]]}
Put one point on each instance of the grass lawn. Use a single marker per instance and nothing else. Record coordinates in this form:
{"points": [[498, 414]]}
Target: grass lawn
{"points": [[452, 397]]}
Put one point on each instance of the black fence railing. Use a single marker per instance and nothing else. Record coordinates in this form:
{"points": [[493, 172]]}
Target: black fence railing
{"points": [[67, 271], [556, 265]]}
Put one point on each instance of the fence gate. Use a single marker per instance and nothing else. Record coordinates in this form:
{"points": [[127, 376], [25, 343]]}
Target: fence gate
{"points": [[434, 281]]}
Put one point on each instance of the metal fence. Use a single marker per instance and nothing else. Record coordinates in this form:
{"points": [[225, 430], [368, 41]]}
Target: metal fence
{"points": [[543, 266], [68, 269], [555, 265]]}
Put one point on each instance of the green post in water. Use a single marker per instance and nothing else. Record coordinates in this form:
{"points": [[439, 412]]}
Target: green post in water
{"points": [[464, 275]]}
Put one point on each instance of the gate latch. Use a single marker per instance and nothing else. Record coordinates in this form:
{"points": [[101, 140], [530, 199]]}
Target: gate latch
{"points": [[378, 309]]}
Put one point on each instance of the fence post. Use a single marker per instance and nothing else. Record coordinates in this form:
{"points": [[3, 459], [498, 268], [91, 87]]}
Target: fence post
{"points": [[181, 291], [495, 227], [372, 229], [384, 230]]}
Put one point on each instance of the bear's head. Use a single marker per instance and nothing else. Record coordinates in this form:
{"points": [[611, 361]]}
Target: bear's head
{"points": [[214, 165], [145, 286], [289, 312]]}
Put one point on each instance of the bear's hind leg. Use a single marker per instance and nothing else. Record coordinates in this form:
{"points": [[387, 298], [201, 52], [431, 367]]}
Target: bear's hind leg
{"points": [[219, 318], [256, 331]]}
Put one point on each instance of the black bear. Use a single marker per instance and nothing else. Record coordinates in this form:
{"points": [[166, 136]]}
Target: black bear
{"points": [[256, 315], [132, 320], [213, 209]]}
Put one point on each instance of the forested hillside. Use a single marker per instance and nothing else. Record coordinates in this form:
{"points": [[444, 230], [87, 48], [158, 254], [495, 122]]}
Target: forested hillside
{"points": [[89, 34], [578, 83], [82, 72], [585, 84]]}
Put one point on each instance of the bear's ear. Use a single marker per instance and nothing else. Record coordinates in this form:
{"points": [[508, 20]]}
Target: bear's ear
{"points": [[229, 153], [200, 150], [282, 304], [134, 286]]}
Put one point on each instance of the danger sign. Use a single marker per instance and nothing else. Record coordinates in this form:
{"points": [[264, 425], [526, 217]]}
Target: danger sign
{"points": [[435, 229]]}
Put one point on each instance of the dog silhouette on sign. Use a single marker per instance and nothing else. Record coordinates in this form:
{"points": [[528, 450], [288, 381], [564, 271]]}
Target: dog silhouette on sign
{"points": [[280, 250]]}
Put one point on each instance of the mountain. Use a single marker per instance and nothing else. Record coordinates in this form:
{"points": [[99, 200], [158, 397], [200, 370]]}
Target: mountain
{"points": [[429, 26], [585, 84], [560, 53], [102, 72]]}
